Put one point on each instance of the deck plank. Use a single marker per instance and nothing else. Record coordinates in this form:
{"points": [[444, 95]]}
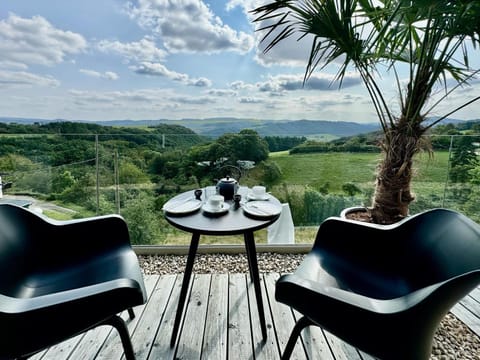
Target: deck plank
{"points": [[63, 350], [216, 327], [191, 336], [85, 349], [94, 339], [283, 319], [475, 294], [471, 304], [315, 342], [144, 335], [161, 347], [341, 350], [263, 349], [467, 317], [239, 328], [221, 322], [91, 343], [112, 348]]}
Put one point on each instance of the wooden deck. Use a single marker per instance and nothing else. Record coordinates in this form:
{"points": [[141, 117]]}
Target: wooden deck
{"points": [[220, 323]]}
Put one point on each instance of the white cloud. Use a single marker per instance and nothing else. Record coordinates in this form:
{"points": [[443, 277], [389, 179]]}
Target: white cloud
{"points": [[193, 100], [13, 65], [108, 98], [157, 69], [247, 5], [251, 100], [222, 92], [109, 75], [232, 4], [321, 81], [36, 41], [289, 52], [200, 82], [22, 78], [241, 85], [143, 50], [148, 57], [161, 98], [188, 26]]}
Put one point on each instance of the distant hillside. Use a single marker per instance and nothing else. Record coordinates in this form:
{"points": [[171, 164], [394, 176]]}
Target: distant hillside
{"points": [[218, 126], [214, 127], [78, 130]]}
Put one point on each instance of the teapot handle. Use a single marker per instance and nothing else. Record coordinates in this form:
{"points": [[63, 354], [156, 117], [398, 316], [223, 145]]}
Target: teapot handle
{"points": [[240, 173]]}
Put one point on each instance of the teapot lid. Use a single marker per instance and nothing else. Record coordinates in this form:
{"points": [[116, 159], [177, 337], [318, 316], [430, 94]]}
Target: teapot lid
{"points": [[228, 179]]}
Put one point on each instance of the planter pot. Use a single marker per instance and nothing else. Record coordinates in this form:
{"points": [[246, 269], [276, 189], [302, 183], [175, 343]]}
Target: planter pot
{"points": [[358, 213], [362, 214]]}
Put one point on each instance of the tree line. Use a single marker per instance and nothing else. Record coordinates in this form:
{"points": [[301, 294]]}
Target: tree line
{"points": [[63, 162]]}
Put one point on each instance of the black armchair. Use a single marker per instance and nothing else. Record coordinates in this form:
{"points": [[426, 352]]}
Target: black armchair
{"points": [[61, 278], [384, 289]]}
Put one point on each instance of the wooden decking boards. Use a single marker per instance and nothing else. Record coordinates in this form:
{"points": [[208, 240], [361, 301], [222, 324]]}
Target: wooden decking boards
{"points": [[220, 323]]}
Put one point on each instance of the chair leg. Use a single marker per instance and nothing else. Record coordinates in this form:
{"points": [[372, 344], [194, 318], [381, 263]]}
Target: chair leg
{"points": [[118, 323], [301, 324], [131, 313]]}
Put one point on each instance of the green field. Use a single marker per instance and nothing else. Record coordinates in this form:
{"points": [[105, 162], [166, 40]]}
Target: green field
{"points": [[359, 168]]}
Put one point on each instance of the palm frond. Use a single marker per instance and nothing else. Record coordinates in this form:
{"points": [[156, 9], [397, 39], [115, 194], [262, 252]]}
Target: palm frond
{"points": [[427, 35]]}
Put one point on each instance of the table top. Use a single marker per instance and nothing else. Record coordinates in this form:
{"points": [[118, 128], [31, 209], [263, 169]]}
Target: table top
{"points": [[234, 221]]}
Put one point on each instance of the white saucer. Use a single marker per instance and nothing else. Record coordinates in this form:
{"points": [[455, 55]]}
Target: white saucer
{"points": [[252, 197], [207, 208], [262, 208]]}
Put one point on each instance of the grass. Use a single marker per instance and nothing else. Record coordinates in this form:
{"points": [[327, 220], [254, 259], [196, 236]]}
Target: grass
{"points": [[303, 235], [340, 168], [57, 215], [336, 169], [333, 168]]}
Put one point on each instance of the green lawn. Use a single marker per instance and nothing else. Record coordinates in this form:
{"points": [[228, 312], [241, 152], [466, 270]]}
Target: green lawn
{"points": [[359, 168]]}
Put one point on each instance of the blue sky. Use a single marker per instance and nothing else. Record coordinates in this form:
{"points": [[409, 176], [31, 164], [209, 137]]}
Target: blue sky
{"points": [[160, 59]]}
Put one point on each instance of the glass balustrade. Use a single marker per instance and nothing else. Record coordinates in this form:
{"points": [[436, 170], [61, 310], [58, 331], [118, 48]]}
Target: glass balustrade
{"points": [[77, 175]]}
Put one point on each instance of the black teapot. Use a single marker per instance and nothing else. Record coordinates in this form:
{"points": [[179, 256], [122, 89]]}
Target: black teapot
{"points": [[227, 187]]}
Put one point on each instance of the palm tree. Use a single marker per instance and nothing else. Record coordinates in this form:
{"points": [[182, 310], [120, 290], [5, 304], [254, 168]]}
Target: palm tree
{"points": [[431, 38]]}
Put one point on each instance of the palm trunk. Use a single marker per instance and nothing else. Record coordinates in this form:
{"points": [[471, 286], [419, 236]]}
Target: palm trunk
{"points": [[392, 190], [403, 139]]}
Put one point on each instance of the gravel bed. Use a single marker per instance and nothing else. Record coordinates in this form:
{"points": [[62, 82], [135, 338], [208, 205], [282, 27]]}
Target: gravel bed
{"points": [[453, 340]]}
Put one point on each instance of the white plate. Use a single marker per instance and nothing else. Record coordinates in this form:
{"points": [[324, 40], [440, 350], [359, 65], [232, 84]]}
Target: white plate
{"points": [[207, 208], [184, 206], [251, 196], [262, 208]]}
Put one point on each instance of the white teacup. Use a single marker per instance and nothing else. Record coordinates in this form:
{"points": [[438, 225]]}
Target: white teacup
{"points": [[215, 202], [259, 191]]}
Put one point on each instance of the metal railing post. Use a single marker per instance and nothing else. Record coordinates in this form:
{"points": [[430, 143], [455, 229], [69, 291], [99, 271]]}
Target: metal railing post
{"points": [[448, 171], [97, 175]]}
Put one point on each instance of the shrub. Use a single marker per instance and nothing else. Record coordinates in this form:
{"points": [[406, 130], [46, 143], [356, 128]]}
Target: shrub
{"points": [[271, 173]]}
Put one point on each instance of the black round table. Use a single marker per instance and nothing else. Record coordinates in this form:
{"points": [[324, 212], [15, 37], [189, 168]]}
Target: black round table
{"points": [[233, 222]]}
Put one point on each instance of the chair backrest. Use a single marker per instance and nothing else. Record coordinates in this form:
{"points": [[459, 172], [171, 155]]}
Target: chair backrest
{"points": [[445, 243], [17, 226], [393, 260]]}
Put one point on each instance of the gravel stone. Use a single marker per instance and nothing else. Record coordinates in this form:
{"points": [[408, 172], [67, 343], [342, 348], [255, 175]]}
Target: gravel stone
{"points": [[453, 339]]}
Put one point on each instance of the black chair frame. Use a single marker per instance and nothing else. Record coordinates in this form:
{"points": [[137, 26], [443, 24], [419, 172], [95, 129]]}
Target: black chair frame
{"points": [[384, 289], [61, 278]]}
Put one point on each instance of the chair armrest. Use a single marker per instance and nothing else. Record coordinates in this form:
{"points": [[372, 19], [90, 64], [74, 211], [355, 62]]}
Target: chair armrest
{"points": [[11, 305], [295, 285]]}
